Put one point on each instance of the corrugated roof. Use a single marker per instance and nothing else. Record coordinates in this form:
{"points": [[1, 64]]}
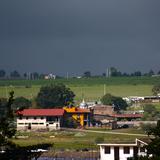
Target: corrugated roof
{"points": [[42, 112]]}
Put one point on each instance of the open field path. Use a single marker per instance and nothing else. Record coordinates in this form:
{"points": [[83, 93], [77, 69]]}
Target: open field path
{"points": [[107, 132]]}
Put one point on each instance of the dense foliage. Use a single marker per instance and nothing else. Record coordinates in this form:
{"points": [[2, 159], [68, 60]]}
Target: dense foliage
{"points": [[54, 96], [150, 113], [8, 130], [21, 103], [7, 127], [156, 89], [154, 146], [117, 102]]}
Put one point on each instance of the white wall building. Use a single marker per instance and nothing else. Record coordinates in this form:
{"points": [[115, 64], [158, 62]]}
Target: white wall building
{"points": [[38, 119], [122, 151]]}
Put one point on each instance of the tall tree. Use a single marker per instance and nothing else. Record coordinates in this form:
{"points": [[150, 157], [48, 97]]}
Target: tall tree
{"points": [[7, 127], [15, 74], [117, 102], [55, 95], [154, 146], [115, 72], [21, 103], [2, 73], [87, 74], [8, 130]]}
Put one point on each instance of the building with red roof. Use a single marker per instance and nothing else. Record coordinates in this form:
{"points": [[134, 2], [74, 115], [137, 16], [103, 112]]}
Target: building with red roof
{"points": [[39, 119]]}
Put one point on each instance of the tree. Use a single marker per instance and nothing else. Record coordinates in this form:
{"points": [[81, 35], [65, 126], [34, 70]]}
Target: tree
{"points": [[151, 72], [2, 73], [117, 102], [87, 74], [35, 75], [7, 127], [114, 72], [21, 103], [15, 74], [150, 112], [154, 146], [107, 99], [8, 130], [70, 122], [156, 89], [137, 74], [55, 95]]}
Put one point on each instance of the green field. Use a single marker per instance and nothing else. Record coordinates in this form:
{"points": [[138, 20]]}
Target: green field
{"points": [[89, 88], [75, 139]]}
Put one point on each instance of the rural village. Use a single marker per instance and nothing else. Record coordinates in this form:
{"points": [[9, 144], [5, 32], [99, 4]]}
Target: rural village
{"points": [[80, 80], [102, 118]]}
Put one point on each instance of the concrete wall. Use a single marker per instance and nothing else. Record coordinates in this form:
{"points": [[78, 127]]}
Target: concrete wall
{"points": [[110, 156], [36, 124]]}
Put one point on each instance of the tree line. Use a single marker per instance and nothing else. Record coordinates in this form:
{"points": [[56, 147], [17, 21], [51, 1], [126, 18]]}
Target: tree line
{"points": [[111, 72]]}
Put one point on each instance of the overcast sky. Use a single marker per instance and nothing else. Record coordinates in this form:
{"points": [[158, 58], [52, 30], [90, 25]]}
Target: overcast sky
{"points": [[79, 35]]}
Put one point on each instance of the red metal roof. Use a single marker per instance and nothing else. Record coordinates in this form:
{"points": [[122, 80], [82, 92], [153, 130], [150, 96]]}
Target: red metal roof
{"points": [[128, 115], [42, 112]]}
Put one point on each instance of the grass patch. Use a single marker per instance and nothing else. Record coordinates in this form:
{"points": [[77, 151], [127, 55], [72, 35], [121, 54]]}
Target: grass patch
{"points": [[68, 140]]}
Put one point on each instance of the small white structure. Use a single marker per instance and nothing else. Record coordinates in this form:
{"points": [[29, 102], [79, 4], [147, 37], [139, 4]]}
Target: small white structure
{"points": [[39, 119], [50, 76], [122, 151], [83, 105]]}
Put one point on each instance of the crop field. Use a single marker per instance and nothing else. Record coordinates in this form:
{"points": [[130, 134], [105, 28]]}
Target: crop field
{"points": [[92, 89]]}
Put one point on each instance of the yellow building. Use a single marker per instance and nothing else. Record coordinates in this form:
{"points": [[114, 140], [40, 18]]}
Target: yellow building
{"points": [[82, 116]]}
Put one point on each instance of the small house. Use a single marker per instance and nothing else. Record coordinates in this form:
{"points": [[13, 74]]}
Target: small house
{"points": [[122, 151], [39, 119]]}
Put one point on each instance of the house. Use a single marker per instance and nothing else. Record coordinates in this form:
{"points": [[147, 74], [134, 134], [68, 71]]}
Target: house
{"points": [[103, 109], [39, 119], [82, 116], [122, 151]]}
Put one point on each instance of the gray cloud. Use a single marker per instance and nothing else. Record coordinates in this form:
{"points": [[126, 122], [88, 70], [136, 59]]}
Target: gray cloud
{"points": [[74, 36]]}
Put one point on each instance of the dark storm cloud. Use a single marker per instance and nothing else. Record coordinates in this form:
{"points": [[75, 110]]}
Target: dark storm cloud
{"points": [[74, 36]]}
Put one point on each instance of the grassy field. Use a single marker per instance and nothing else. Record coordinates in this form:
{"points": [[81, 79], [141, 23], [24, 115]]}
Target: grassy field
{"points": [[91, 88], [73, 139]]}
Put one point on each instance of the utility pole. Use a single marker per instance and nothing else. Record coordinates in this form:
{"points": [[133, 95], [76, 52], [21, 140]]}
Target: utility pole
{"points": [[6, 92], [104, 89], [67, 76], [108, 73]]}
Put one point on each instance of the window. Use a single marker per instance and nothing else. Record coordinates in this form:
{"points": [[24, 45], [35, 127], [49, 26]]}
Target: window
{"points": [[20, 123], [126, 150], [41, 123], [35, 118], [142, 149], [42, 117], [26, 118], [107, 150], [20, 118], [34, 123]]}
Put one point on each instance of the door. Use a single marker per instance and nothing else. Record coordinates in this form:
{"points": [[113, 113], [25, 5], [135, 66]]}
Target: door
{"points": [[29, 126], [116, 153], [135, 151]]}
